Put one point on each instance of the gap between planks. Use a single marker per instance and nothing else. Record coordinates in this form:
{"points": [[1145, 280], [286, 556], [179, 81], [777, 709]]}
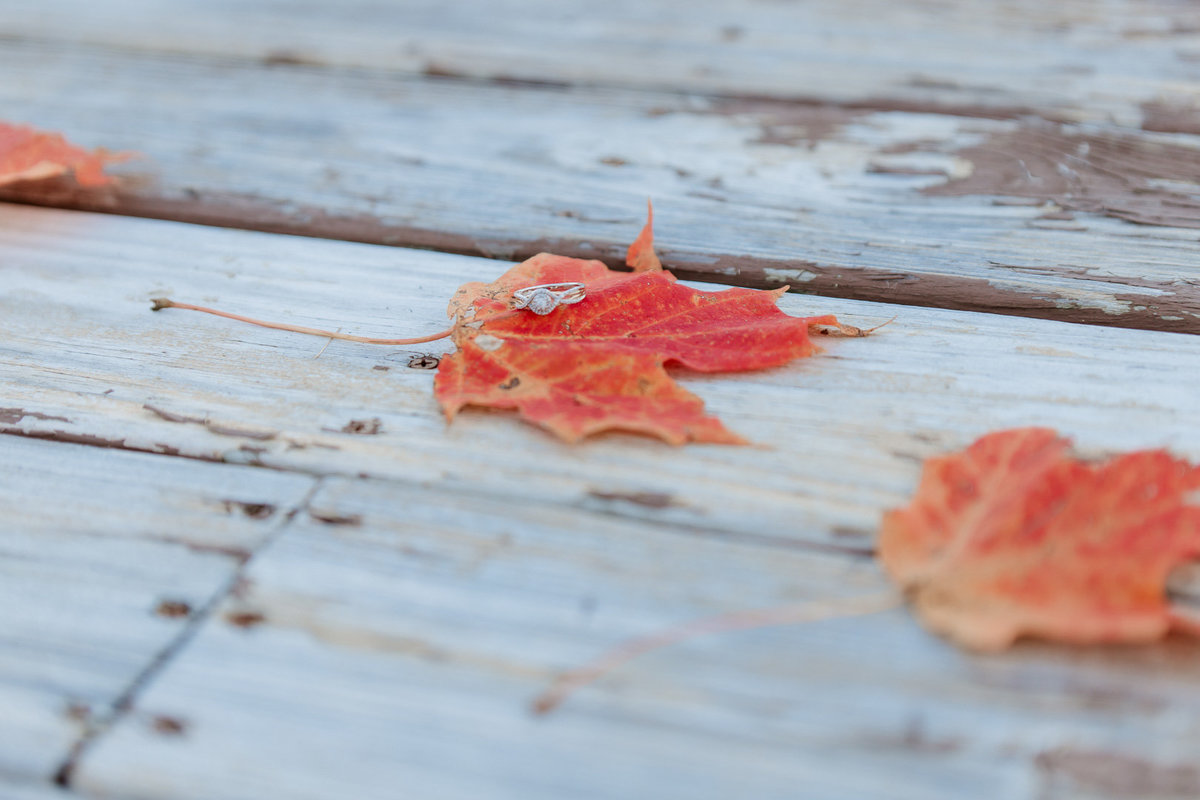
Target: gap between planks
{"points": [[862, 416], [929, 383], [849, 201]]}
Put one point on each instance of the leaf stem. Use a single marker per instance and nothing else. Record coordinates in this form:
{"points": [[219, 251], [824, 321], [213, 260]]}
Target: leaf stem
{"points": [[159, 303], [575, 679], [829, 326]]}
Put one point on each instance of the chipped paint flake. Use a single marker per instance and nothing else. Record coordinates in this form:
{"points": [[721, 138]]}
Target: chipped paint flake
{"points": [[788, 275], [488, 342], [959, 168]]}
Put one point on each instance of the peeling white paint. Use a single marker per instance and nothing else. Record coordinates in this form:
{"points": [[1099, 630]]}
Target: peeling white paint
{"points": [[1078, 299], [488, 342], [959, 168], [789, 275]]}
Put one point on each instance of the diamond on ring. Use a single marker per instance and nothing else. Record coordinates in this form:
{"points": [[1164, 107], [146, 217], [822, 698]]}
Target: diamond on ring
{"points": [[546, 297]]}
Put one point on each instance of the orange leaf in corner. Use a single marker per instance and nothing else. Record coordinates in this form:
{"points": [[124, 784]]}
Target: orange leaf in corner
{"points": [[598, 365], [1014, 537], [27, 155]]}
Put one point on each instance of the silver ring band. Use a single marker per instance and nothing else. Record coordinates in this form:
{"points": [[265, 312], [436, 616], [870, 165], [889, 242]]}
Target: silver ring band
{"points": [[545, 297]]}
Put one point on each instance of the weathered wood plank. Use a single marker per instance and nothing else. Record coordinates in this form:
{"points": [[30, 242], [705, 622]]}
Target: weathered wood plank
{"points": [[104, 557], [1072, 59], [843, 433], [40, 791], [417, 609], [403, 648], [936, 207]]}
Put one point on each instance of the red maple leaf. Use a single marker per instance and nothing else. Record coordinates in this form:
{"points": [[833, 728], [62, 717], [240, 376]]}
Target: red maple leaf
{"points": [[598, 365], [1014, 537], [27, 155]]}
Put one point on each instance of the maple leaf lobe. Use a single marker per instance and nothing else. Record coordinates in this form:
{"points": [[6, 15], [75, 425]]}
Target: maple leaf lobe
{"points": [[641, 256]]}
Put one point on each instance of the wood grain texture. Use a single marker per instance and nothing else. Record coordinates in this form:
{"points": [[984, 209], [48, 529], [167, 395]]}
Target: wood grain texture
{"points": [[393, 632], [76, 317], [1074, 59], [847, 429], [403, 650], [387, 634], [94, 543], [929, 206]]}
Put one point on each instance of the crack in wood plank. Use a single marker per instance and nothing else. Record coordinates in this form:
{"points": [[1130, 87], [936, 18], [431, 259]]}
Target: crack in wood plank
{"points": [[96, 726], [222, 428]]}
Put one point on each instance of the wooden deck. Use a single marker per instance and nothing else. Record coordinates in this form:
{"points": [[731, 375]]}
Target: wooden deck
{"points": [[239, 563]]}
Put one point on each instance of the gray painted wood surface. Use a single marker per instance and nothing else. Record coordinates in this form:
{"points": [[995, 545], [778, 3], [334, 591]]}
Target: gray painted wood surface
{"points": [[1081, 207], [439, 628], [38, 791], [104, 557], [1076, 58], [393, 632], [213, 389], [241, 563]]}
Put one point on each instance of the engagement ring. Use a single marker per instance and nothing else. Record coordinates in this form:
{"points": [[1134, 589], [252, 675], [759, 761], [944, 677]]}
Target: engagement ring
{"points": [[546, 297]]}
